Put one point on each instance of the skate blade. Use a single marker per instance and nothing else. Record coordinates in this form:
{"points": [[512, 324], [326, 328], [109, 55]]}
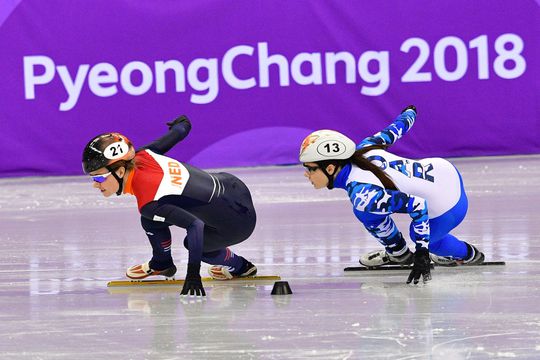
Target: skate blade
{"points": [[380, 268], [409, 267], [169, 282]]}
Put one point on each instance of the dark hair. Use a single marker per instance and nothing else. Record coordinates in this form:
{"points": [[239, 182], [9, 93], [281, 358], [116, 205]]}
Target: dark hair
{"points": [[126, 164], [359, 160]]}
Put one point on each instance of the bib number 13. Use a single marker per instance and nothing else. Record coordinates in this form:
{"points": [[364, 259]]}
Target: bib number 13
{"points": [[331, 148]]}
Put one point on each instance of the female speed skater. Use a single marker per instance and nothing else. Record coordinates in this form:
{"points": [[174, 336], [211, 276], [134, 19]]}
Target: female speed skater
{"points": [[215, 208], [380, 184]]}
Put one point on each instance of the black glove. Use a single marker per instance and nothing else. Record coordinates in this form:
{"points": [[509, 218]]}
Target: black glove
{"points": [[193, 283], [182, 119], [421, 266], [410, 107]]}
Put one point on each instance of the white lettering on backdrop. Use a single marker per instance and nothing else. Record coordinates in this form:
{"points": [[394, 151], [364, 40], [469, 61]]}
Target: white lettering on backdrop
{"points": [[371, 69]]}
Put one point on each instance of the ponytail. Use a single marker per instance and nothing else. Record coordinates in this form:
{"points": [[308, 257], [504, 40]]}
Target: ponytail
{"points": [[359, 160]]}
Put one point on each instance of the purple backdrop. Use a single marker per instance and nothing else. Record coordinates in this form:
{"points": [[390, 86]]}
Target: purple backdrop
{"points": [[255, 77]]}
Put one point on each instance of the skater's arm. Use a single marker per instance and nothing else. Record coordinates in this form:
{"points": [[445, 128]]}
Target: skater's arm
{"points": [[372, 201], [178, 130], [392, 133]]}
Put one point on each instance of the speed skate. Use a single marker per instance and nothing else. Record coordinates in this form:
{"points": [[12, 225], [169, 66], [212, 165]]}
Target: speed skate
{"points": [[179, 282], [409, 267]]}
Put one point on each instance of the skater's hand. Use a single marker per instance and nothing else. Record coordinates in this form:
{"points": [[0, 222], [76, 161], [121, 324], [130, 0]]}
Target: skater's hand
{"points": [[421, 266], [411, 107], [193, 284], [182, 119]]}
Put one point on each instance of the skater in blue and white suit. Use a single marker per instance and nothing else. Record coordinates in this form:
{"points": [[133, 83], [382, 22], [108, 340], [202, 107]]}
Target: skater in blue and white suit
{"points": [[380, 184]]}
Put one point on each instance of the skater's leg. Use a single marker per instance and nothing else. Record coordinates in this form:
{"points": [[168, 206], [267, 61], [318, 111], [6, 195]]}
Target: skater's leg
{"points": [[385, 231], [441, 242], [449, 245], [226, 263], [444, 247], [159, 236], [161, 263], [224, 257]]}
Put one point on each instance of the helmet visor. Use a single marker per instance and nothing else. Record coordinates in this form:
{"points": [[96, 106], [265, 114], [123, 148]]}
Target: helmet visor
{"points": [[101, 177]]}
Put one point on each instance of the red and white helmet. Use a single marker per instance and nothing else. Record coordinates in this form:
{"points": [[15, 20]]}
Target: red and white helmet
{"points": [[326, 145]]}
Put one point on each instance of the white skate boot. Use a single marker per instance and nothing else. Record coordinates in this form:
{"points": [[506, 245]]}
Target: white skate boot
{"points": [[381, 257], [476, 258], [142, 271], [220, 272]]}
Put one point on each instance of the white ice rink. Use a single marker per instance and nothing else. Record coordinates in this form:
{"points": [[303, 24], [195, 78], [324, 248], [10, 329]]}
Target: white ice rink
{"points": [[61, 242]]}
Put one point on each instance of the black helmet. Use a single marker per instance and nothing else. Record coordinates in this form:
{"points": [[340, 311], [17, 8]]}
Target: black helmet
{"points": [[106, 149]]}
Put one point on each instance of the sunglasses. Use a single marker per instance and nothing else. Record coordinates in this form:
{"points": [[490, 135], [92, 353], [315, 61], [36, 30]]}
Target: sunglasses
{"points": [[101, 177], [311, 169]]}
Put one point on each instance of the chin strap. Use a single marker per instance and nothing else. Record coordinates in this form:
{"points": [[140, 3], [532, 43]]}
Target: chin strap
{"points": [[119, 179], [330, 185], [338, 165]]}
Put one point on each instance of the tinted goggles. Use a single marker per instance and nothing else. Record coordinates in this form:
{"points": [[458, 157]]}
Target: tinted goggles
{"points": [[101, 177], [311, 169]]}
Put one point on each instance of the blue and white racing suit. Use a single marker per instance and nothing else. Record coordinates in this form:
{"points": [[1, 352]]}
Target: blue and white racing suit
{"points": [[430, 191]]}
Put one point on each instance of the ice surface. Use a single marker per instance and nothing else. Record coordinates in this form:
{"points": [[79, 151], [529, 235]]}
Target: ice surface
{"points": [[61, 241]]}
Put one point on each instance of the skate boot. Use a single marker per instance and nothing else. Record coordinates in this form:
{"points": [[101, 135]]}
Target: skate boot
{"points": [[475, 257], [381, 257], [221, 272], [142, 271]]}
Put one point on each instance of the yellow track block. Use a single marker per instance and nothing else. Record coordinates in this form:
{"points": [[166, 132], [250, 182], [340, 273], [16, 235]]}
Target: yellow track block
{"points": [[166, 282]]}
